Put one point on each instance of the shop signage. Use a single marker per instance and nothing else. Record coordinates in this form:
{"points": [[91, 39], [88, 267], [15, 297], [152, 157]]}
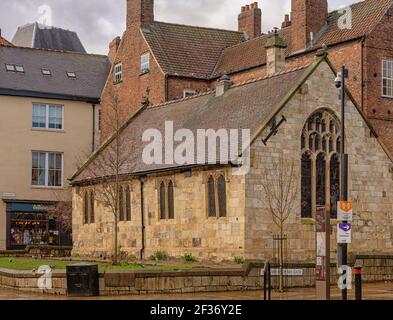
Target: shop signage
{"points": [[345, 210], [30, 207]]}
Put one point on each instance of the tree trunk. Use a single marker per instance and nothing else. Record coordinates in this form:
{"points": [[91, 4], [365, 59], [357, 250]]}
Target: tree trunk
{"points": [[281, 260], [115, 259]]}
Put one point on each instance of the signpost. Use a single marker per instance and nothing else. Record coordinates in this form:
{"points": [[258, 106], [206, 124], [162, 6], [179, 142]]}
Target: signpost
{"points": [[344, 233], [344, 210], [322, 268]]}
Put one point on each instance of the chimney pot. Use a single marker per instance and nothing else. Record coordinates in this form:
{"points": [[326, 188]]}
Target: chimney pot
{"points": [[224, 84]]}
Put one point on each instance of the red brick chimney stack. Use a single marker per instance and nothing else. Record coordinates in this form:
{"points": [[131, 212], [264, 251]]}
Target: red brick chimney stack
{"points": [[113, 47], [250, 20], [308, 16], [140, 13], [286, 22]]}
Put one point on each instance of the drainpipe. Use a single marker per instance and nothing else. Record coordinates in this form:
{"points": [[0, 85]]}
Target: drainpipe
{"points": [[166, 88], [142, 184], [94, 127]]}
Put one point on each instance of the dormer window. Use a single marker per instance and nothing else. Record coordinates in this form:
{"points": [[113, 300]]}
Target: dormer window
{"points": [[46, 72], [118, 73], [71, 75], [188, 93], [20, 69], [10, 67], [145, 63]]}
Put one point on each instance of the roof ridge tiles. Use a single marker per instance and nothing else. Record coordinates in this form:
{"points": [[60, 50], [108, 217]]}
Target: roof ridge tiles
{"points": [[60, 51], [163, 104], [198, 27]]}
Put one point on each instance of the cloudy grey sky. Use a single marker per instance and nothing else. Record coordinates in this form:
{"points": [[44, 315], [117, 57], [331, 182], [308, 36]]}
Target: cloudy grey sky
{"points": [[99, 21]]}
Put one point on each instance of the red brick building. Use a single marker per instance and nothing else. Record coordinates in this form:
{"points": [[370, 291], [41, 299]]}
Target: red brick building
{"points": [[4, 42], [162, 61]]}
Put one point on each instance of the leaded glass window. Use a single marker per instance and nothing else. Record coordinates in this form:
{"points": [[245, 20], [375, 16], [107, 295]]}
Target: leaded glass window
{"points": [[320, 143]]}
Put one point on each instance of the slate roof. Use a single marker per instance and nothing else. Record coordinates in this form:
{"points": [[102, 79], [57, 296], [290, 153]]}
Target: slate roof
{"points": [[91, 74], [40, 37], [366, 15], [244, 106], [186, 50]]}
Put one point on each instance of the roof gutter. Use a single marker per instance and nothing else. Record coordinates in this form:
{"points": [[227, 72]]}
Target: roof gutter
{"points": [[46, 95]]}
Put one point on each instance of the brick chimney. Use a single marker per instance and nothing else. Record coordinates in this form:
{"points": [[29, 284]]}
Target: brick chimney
{"points": [[275, 53], [286, 22], [307, 19], [250, 20], [113, 47], [140, 13]]}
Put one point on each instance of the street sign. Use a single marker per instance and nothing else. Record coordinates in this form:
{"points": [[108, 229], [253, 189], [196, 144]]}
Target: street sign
{"points": [[286, 272], [345, 210], [344, 233]]}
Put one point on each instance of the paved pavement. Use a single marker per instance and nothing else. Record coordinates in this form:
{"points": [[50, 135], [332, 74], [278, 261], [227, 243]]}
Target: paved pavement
{"points": [[376, 291]]}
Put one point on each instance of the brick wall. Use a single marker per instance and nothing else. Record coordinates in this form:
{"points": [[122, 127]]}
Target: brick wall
{"points": [[250, 20]]}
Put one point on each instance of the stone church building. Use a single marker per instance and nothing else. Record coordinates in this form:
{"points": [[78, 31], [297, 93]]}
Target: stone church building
{"points": [[207, 210]]}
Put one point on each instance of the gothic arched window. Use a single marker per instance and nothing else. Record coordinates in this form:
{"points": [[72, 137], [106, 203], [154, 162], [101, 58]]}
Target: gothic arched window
{"points": [[121, 204], [162, 201], [211, 197], [86, 208], [306, 186], [222, 196], [320, 171], [171, 201], [92, 218], [128, 203]]}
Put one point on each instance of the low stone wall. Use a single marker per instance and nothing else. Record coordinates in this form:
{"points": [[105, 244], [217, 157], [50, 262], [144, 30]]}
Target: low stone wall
{"points": [[43, 251], [248, 278]]}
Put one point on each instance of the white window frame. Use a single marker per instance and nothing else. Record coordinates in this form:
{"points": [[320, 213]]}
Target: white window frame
{"points": [[189, 93], [389, 63], [47, 116], [145, 65], [47, 170], [118, 72]]}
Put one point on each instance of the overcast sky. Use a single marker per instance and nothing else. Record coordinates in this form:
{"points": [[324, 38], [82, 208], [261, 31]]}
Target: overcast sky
{"points": [[99, 21]]}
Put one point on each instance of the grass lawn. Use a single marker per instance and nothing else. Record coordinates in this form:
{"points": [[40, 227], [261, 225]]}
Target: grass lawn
{"points": [[30, 264]]}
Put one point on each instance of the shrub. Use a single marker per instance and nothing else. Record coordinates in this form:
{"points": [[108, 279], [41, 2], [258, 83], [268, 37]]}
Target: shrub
{"points": [[189, 258], [159, 256], [239, 260]]}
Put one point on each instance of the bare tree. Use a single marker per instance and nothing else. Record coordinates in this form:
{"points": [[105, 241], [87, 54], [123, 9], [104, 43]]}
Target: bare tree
{"points": [[62, 212], [106, 169], [280, 184]]}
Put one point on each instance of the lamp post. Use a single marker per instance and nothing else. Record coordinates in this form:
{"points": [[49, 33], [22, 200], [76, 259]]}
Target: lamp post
{"points": [[342, 248]]}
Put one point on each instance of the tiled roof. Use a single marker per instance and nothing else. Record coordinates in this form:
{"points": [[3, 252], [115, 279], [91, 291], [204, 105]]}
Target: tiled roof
{"points": [[188, 51], [91, 73], [41, 37], [4, 42], [366, 15], [244, 106], [247, 54]]}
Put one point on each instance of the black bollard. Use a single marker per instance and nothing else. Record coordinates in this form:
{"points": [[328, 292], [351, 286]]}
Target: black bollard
{"points": [[358, 282]]}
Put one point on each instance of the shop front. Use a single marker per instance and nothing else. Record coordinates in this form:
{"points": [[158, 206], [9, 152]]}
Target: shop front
{"points": [[30, 224]]}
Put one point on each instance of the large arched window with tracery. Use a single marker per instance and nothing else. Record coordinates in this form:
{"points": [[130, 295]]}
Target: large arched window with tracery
{"points": [[320, 169]]}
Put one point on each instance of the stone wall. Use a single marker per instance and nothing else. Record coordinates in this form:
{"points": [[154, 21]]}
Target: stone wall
{"points": [[370, 179], [190, 232]]}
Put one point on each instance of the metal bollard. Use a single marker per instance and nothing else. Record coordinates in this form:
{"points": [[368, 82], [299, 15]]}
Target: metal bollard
{"points": [[358, 282]]}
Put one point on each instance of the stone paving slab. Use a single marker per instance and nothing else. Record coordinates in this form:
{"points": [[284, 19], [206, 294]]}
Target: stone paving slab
{"points": [[375, 291]]}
